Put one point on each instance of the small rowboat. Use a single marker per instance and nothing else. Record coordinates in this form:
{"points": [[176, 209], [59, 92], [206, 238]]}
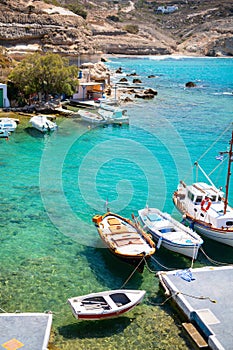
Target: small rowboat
{"points": [[42, 123], [124, 239], [169, 233], [91, 117], [104, 305]]}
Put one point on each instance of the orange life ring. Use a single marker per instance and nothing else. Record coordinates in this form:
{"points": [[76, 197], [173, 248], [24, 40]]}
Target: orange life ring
{"points": [[205, 204]]}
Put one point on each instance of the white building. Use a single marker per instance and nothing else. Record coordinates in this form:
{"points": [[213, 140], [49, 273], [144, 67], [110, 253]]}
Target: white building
{"points": [[167, 9], [4, 102]]}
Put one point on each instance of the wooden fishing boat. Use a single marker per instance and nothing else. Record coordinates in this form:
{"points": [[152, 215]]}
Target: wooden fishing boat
{"points": [[124, 238], [105, 305], [204, 206], [169, 233]]}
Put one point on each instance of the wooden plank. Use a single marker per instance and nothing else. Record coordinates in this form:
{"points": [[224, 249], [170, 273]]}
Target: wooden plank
{"points": [[195, 335]]}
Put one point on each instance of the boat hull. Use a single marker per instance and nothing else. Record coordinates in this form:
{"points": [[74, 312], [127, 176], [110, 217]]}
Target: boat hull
{"points": [[90, 117], [103, 316], [43, 129], [42, 124], [137, 261], [189, 251]]}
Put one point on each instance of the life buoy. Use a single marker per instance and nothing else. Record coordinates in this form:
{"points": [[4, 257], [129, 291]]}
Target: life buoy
{"points": [[205, 204]]}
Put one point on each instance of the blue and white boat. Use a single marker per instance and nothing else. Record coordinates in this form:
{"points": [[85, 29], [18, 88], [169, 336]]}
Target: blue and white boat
{"points": [[169, 233]]}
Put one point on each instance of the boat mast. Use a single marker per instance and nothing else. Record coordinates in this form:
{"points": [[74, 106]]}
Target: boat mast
{"points": [[230, 154], [204, 173]]}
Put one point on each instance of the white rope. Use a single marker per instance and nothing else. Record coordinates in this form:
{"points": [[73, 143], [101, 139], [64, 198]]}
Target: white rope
{"points": [[163, 266], [133, 272], [220, 163], [200, 297], [211, 260], [224, 131]]}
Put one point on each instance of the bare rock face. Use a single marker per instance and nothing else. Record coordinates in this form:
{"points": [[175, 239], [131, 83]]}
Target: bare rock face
{"points": [[27, 26], [118, 27], [210, 39], [38, 26]]}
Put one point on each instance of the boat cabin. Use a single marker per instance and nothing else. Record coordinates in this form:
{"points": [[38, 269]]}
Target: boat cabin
{"points": [[200, 190], [197, 194]]}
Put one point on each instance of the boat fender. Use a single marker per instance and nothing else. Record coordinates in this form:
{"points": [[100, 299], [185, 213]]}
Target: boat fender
{"points": [[205, 204], [159, 242]]}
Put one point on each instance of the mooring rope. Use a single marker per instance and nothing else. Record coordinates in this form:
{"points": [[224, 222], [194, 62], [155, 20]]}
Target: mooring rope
{"points": [[133, 272], [164, 267], [211, 260], [187, 295], [200, 297]]}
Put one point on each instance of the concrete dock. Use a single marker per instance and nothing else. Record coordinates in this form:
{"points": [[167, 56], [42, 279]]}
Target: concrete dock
{"points": [[29, 331], [205, 295]]}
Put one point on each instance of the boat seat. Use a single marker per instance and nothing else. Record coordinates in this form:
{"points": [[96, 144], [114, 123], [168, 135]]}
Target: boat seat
{"points": [[118, 229], [123, 241], [93, 307], [113, 221], [153, 217]]}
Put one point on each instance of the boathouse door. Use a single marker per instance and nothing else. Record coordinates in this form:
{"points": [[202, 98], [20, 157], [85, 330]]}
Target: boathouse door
{"points": [[1, 98]]}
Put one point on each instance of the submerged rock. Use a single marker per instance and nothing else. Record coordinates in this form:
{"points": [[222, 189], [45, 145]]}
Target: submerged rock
{"points": [[190, 84]]}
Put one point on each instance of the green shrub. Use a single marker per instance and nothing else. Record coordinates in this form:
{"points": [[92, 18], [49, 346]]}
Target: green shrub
{"points": [[78, 10], [132, 28]]}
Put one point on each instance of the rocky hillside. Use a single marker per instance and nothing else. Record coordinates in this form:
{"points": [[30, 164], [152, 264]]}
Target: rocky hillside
{"points": [[200, 27]]}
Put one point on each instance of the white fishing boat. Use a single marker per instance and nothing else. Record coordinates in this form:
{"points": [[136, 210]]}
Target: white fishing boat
{"points": [[169, 233], [43, 123], [91, 117], [8, 124], [124, 238], [105, 305], [204, 206]]}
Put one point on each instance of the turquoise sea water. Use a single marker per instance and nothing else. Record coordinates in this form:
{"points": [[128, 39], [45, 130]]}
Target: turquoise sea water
{"points": [[51, 187]]}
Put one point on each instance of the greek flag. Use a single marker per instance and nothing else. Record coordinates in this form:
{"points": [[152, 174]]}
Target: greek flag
{"points": [[220, 157]]}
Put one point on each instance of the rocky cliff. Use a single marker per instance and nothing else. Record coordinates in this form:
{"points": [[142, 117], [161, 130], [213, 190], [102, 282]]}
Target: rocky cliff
{"points": [[199, 27]]}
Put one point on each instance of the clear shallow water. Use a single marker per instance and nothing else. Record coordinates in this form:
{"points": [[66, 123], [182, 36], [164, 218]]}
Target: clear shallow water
{"points": [[51, 186]]}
